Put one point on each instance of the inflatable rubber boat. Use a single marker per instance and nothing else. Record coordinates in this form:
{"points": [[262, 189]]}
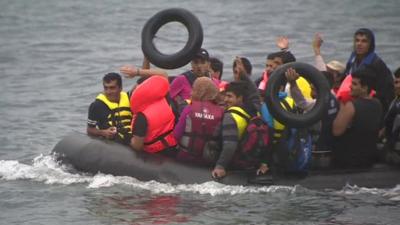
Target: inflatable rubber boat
{"points": [[91, 155]]}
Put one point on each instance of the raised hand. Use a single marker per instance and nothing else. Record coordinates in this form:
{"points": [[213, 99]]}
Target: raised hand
{"points": [[291, 75], [317, 43], [240, 66], [129, 71], [282, 42]]}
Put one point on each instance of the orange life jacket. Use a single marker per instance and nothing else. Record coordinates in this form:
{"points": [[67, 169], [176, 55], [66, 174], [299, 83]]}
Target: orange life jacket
{"points": [[344, 92], [149, 99]]}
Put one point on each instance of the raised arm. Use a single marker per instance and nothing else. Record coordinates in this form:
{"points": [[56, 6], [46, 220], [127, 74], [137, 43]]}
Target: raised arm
{"points": [[301, 102], [316, 45], [146, 63], [132, 71]]}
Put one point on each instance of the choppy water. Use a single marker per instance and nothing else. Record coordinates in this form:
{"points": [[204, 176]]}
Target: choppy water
{"points": [[53, 55]]}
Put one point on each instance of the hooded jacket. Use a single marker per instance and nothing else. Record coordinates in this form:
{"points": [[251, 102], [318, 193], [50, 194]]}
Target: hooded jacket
{"points": [[384, 79]]}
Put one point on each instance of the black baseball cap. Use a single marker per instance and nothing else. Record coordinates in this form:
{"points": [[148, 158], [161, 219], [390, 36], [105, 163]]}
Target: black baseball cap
{"points": [[202, 54]]}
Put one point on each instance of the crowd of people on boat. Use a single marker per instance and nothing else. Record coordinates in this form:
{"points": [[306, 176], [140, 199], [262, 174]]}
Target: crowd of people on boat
{"points": [[200, 119]]}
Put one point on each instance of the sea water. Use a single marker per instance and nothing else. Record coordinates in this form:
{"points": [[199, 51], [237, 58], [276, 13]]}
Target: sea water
{"points": [[53, 55]]}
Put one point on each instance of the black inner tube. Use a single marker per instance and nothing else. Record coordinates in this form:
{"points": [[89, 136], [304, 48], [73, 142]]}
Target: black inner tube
{"points": [[185, 55], [312, 75]]}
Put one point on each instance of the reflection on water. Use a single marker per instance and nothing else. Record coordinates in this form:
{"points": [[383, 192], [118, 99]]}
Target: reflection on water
{"points": [[142, 209]]}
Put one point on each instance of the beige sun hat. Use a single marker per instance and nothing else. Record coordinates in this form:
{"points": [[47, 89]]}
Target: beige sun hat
{"points": [[336, 65]]}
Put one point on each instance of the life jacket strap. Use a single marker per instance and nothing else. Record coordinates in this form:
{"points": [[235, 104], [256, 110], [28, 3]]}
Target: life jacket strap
{"points": [[160, 138]]}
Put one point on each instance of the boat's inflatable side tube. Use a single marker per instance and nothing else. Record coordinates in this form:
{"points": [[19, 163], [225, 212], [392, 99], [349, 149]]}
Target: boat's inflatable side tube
{"points": [[93, 155], [312, 75], [185, 55]]}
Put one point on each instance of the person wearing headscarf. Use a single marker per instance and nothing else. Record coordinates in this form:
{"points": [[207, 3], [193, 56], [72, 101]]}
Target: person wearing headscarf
{"points": [[198, 123]]}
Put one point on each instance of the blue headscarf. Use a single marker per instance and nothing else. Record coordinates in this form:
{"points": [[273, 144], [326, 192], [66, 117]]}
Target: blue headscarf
{"points": [[351, 65]]}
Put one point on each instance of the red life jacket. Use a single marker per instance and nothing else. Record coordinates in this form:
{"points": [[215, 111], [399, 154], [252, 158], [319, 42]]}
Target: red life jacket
{"points": [[344, 92], [201, 123], [149, 99]]}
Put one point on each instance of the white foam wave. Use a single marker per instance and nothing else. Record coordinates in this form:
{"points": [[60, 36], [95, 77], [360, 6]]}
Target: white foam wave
{"points": [[393, 193], [45, 169], [211, 187]]}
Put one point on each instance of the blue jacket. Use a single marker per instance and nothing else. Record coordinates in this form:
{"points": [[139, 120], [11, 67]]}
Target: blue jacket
{"points": [[266, 115]]}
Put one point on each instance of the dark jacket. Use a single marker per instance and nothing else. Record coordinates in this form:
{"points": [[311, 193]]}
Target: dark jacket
{"points": [[384, 79]]}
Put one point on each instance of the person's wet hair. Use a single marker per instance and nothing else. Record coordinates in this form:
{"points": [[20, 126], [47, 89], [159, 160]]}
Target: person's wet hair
{"points": [[274, 55], [397, 73], [217, 65], [285, 56], [288, 57], [367, 77], [246, 64], [239, 88], [109, 77]]}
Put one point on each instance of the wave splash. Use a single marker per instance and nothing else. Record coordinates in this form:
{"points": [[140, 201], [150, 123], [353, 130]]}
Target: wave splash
{"points": [[47, 170], [44, 169]]}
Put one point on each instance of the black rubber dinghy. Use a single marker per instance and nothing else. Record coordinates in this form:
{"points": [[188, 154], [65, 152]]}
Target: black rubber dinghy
{"points": [[312, 75], [92, 155], [185, 55]]}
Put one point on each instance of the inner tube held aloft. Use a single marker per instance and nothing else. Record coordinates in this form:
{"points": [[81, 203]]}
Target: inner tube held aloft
{"points": [[312, 75], [185, 55]]}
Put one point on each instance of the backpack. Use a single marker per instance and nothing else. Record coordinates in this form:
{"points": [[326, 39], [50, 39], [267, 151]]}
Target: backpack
{"points": [[255, 141], [295, 148], [299, 148]]}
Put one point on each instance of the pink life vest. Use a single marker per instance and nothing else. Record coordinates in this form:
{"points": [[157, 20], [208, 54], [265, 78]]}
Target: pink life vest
{"points": [[263, 83], [201, 124]]}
